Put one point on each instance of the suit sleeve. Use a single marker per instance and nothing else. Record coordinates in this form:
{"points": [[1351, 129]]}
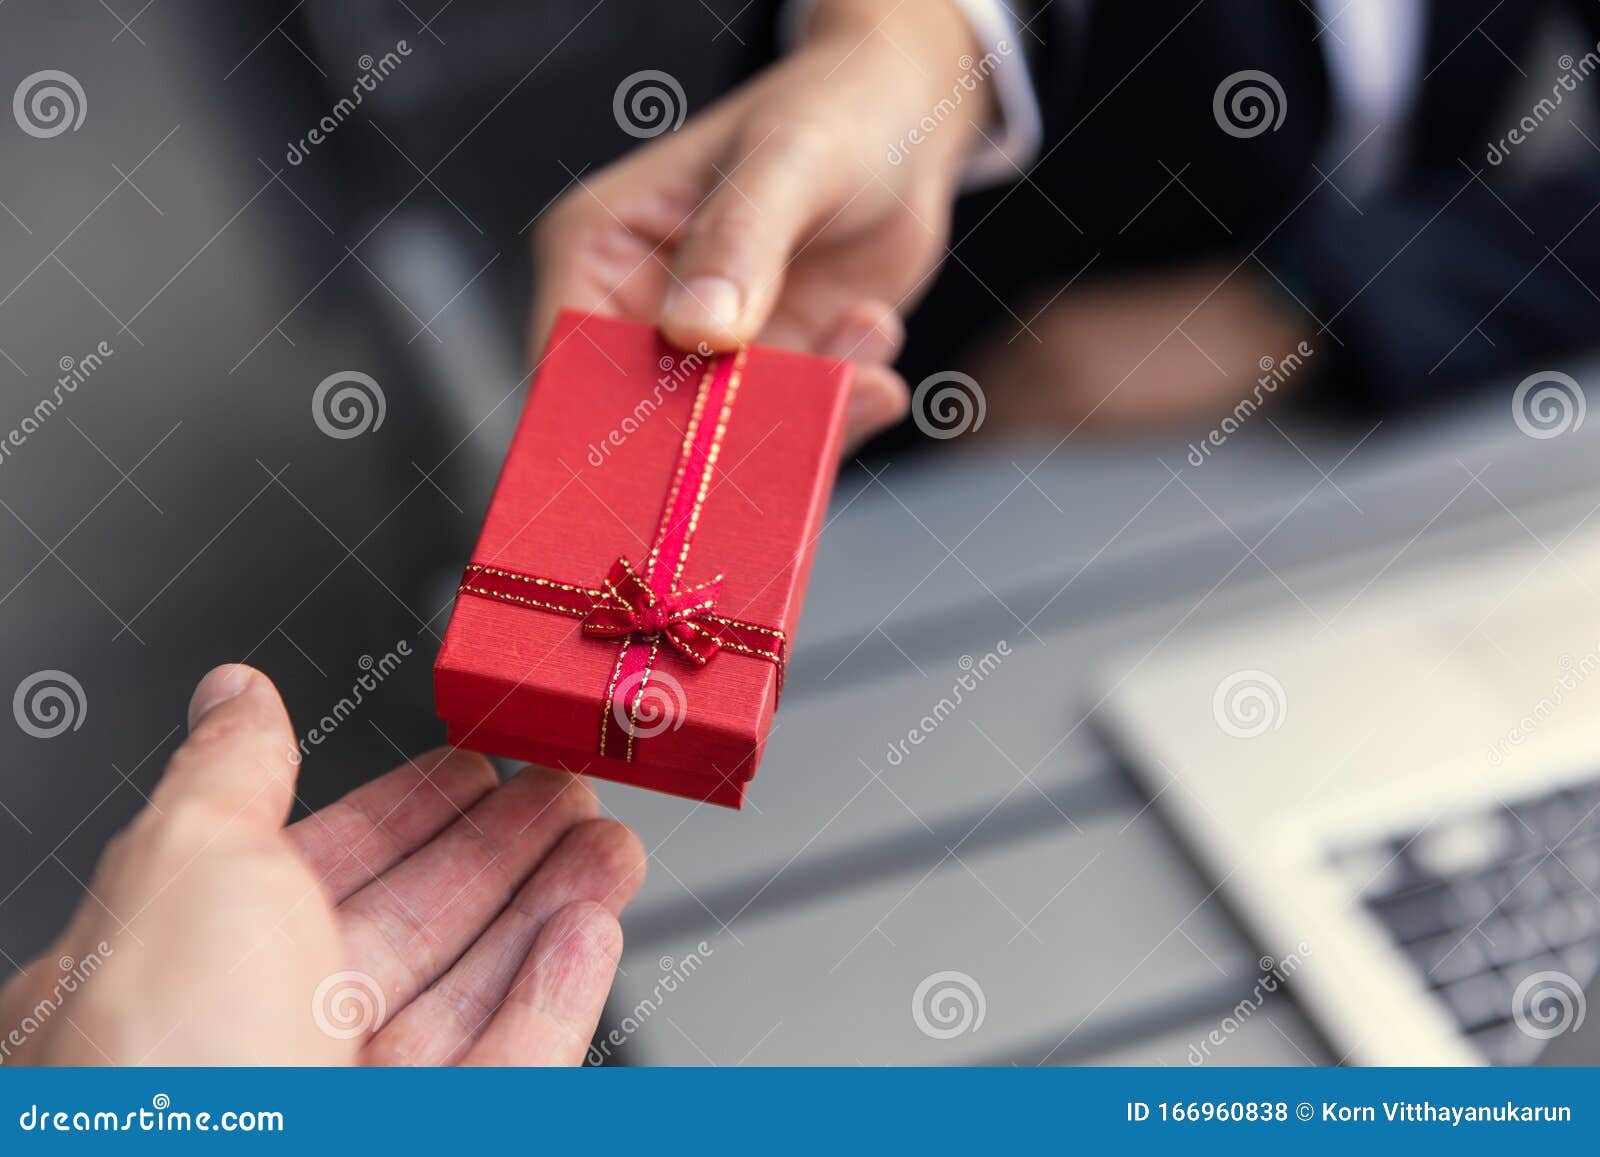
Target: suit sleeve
{"points": [[1448, 279]]}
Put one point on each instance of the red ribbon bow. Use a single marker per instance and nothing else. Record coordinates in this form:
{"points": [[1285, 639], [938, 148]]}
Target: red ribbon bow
{"points": [[683, 618]]}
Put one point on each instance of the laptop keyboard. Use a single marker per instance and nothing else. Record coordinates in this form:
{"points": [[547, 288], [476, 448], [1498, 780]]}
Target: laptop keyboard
{"points": [[1483, 902]]}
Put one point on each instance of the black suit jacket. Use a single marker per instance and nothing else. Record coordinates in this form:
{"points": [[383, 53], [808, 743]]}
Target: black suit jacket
{"points": [[1459, 269]]}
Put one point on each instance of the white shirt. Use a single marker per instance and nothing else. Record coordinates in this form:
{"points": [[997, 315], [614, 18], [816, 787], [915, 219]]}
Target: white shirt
{"points": [[1374, 50]]}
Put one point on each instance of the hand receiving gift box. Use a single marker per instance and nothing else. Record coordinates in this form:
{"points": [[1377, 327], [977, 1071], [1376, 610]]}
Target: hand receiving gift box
{"points": [[630, 606]]}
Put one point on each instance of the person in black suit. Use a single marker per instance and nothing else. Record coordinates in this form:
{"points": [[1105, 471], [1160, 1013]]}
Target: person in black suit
{"points": [[1215, 187], [1222, 182]]}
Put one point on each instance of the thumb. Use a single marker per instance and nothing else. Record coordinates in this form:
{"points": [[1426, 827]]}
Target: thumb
{"points": [[734, 250], [240, 759]]}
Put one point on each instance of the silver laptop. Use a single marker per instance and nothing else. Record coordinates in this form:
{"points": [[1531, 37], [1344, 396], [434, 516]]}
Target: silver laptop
{"points": [[1395, 778]]}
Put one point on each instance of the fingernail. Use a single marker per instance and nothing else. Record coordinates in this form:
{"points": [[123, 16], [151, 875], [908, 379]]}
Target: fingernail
{"points": [[219, 685], [703, 305]]}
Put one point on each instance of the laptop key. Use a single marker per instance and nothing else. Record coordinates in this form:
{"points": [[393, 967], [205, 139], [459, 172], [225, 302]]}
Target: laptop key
{"points": [[1462, 844], [1534, 886], [1448, 958], [1582, 860], [1555, 923], [1582, 960], [1505, 1044], [1583, 910], [1509, 939], [1474, 898], [1478, 1001], [1415, 915]]}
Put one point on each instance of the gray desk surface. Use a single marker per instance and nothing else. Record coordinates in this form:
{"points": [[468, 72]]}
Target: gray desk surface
{"points": [[1009, 847]]}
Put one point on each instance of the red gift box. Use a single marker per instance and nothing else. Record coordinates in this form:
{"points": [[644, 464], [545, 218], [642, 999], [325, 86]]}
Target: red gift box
{"points": [[628, 610]]}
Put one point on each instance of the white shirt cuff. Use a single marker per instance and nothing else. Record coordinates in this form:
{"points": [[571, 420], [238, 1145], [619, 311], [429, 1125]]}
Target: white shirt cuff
{"points": [[1009, 147]]}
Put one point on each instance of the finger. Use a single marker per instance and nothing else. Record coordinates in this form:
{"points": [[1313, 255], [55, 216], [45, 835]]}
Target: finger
{"points": [[868, 332], [406, 928], [732, 254], [600, 861], [559, 992], [240, 758], [564, 273], [354, 840], [878, 399]]}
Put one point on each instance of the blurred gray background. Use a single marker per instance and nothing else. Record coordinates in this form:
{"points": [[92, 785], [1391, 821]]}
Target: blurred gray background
{"points": [[181, 507]]}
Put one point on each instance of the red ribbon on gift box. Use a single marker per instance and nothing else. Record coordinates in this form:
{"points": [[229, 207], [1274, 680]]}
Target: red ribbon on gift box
{"points": [[643, 611]]}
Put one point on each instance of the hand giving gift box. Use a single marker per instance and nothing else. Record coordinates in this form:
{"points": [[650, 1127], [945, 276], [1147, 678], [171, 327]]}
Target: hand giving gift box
{"points": [[629, 609]]}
